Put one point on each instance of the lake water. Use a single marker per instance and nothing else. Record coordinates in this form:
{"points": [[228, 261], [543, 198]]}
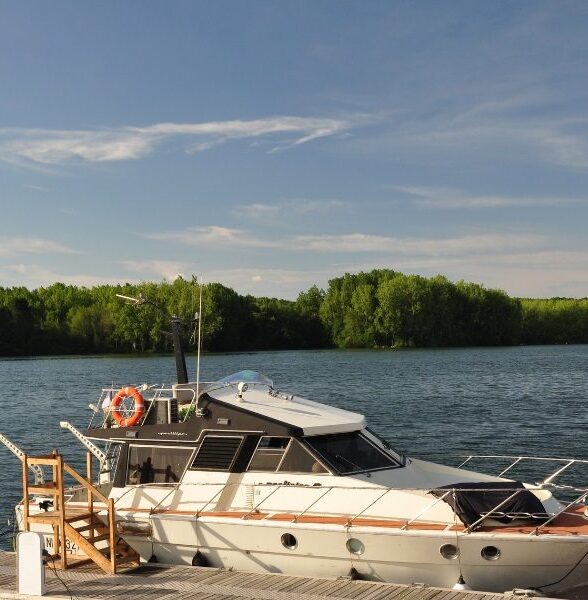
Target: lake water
{"points": [[434, 404]]}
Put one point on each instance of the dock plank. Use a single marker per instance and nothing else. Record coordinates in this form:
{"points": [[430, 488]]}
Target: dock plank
{"points": [[152, 582]]}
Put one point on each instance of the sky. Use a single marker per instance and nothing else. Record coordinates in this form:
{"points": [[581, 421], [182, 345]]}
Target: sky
{"points": [[275, 145]]}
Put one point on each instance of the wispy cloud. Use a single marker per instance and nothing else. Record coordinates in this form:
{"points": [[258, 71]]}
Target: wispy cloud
{"points": [[292, 206], [534, 273], [12, 246], [58, 146], [361, 242], [213, 234], [34, 276], [349, 243], [562, 141], [163, 269], [284, 283], [257, 210], [448, 198], [527, 127]]}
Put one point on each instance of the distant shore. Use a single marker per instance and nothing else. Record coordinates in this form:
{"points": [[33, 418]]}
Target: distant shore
{"points": [[379, 309]]}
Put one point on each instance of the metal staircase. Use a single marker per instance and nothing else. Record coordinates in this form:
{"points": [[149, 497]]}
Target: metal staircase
{"points": [[90, 524]]}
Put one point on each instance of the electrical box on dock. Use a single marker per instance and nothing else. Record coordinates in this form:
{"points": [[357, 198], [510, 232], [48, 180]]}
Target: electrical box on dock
{"points": [[30, 567]]}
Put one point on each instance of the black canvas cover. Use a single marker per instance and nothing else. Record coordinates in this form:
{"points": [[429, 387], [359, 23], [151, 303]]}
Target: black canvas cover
{"points": [[470, 505]]}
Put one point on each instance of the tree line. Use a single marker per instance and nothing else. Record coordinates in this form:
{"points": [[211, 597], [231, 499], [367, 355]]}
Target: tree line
{"points": [[382, 308]]}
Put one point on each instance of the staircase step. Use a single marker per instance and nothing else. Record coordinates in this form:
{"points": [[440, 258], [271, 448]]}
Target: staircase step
{"points": [[98, 555], [71, 518], [82, 513], [97, 525], [98, 538]]}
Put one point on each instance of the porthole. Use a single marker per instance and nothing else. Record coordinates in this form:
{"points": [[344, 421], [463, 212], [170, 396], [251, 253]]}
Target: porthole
{"points": [[289, 541], [490, 553], [355, 546], [449, 551]]}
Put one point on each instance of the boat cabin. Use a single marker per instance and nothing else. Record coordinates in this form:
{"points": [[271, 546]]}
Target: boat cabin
{"points": [[238, 424]]}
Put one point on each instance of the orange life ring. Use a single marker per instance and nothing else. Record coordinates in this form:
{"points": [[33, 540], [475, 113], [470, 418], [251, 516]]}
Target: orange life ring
{"points": [[139, 409]]}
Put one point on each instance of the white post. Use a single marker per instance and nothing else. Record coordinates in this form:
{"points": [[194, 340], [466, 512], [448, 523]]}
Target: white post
{"points": [[30, 567]]}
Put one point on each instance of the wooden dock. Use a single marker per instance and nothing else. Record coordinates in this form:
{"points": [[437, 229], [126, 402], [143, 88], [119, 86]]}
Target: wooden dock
{"points": [[151, 582]]}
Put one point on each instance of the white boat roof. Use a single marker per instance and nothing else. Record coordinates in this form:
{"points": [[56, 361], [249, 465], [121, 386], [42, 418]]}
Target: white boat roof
{"points": [[312, 417]]}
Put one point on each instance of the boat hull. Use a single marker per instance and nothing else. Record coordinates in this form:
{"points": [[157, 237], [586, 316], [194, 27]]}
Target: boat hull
{"points": [[391, 555]]}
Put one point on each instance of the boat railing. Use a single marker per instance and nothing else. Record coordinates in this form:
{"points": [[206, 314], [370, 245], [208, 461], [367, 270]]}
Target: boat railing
{"points": [[358, 517], [558, 466], [576, 502], [184, 394]]}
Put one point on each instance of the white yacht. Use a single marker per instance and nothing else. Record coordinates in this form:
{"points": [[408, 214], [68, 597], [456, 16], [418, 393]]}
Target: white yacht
{"points": [[237, 474]]}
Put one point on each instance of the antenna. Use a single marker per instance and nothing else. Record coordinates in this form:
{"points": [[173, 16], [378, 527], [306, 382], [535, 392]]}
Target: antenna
{"points": [[199, 340], [175, 322], [136, 301]]}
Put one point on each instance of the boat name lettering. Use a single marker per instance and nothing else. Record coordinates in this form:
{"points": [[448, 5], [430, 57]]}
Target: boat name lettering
{"points": [[172, 433], [293, 483]]}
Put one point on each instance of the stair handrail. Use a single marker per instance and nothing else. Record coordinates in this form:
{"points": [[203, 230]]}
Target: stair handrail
{"points": [[62, 526], [87, 484], [101, 456]]}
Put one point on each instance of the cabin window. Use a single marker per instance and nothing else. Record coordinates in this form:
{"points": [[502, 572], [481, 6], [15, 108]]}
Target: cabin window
{"points": [[156, 464], [351, 453], [299, 460], [395, 453], [269, 453], [217, 453]]}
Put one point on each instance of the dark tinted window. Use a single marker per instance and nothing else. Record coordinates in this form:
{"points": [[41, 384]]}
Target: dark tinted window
{"points": [[269, 453], [154, 464], [350, 452], [299, 460], [217, 453], [393, 451]]}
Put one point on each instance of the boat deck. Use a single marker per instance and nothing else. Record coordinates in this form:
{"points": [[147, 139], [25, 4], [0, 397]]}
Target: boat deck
{"points": [[150, 582], [572, 522]]}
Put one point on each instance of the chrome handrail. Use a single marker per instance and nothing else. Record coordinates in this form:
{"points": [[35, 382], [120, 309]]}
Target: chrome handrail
{"points": [[154, 392], [548, 480], [328, 490], [380, 492], [471, 527], [578, 500], [426, 509]]}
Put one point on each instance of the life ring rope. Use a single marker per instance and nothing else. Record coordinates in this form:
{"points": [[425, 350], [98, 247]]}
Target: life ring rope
{"points": [[138, 406]]}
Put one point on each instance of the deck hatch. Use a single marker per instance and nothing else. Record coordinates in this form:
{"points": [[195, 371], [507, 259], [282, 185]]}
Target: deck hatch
{"points": [[217, 452]]}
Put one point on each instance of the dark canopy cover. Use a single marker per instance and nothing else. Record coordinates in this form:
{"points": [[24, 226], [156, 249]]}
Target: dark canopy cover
{"points": [[469, 505]]}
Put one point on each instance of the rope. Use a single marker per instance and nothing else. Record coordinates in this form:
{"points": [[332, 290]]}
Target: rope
{"points": [[54, 569], [540, 587], [456, 534]]}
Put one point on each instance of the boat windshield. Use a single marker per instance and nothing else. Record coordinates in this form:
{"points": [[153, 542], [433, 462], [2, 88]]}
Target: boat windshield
{"points": [[247, 376], [351, 453]]}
